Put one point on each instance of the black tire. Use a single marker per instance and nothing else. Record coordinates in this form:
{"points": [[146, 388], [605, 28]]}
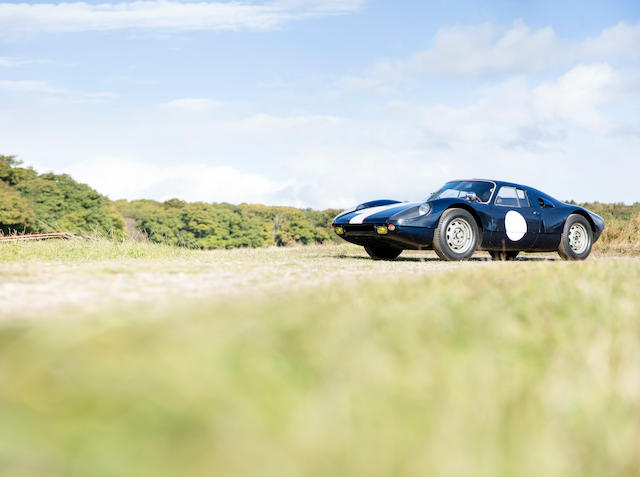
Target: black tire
{"points": [[445, 246], [572, 245], [382, 252], [503, 255]]}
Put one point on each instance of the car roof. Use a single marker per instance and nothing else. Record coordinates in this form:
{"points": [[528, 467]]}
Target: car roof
{"points": [[499, 183]]}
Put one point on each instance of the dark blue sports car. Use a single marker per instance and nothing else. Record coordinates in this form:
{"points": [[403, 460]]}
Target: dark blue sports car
{"points": [[464, 216]]}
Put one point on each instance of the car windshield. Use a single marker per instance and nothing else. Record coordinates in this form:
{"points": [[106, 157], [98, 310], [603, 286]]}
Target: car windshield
{"points": [[471, 190]]}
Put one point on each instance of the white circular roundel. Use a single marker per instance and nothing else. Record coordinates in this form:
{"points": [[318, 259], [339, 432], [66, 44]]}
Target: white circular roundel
{"points": [[516, 225]]}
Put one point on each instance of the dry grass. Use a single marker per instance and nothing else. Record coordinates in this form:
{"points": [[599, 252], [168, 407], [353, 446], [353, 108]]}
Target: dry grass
{"points": [[77, 250], [620, 237]]}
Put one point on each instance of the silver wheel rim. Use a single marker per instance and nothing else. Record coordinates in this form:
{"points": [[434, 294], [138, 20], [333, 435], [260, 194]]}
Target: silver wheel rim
{"points": [[459, 235], [578, 238]]}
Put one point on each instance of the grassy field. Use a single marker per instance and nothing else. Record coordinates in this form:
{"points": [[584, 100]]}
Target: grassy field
{"points": [[139, 360]]}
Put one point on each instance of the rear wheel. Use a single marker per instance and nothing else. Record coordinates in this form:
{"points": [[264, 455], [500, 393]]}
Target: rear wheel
{"points": [[577, 238], [456, 237], [500, 255], [381, 252]]}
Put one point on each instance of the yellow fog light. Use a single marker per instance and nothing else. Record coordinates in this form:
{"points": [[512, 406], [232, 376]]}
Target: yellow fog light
{"points": [[339, 230], [381, 229]]}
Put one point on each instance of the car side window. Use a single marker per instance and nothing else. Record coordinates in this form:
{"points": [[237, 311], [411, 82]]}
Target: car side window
{"points": [[511, 197], [522, 198]]}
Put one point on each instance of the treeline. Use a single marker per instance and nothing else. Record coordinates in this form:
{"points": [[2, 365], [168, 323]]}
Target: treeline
{"points": [[204, 225], [34, 203], [613, 212]]}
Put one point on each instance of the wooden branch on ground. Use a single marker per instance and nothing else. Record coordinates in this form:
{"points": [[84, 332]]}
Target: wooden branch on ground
{"points": [[56, 235]]}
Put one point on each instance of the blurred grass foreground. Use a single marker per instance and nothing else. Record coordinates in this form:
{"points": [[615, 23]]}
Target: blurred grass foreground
{"points": [[513, 369]]}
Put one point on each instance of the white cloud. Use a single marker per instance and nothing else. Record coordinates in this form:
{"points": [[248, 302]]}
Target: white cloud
{"points": [[15, 62], [513, 113], [576, 96], [40, 87], [560, 135], [482, 49], [191, 104], [487, 49], [165, 14], [9, 62], [129, 177], [621, 39], [28, 86], [129, 81]]}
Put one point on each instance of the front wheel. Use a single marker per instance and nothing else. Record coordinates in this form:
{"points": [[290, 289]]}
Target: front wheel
{"points": [[500, 255], [380, 252], [577, 238], [457, 235]]}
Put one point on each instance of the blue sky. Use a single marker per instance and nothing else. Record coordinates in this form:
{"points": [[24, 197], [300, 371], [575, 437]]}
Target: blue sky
{"points": [[323, 103]]}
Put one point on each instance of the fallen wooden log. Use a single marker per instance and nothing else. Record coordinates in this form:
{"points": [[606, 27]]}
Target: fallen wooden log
{"points": [[56, 235]]}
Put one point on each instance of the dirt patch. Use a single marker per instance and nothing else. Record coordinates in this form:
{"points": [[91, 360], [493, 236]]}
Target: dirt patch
{"points": [[37, 288]]}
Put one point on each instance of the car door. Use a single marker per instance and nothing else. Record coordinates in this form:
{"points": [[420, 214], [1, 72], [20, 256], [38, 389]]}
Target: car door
{"points": [[517, 224], [552, 221]]}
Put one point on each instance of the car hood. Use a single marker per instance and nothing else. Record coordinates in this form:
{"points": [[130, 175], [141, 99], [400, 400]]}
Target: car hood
{"points": [[373, 215]]}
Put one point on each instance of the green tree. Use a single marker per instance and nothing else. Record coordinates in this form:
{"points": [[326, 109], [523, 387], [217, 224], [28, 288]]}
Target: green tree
{"points": [[11, 173], [161, 223], [16, 215], [62, 204]]}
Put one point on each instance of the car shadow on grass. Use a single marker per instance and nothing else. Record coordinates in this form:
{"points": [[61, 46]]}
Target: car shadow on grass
{"points": [[436, 259]]}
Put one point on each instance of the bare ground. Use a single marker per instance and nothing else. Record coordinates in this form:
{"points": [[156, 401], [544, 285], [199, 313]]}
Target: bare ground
{"points": [[41, 288]]}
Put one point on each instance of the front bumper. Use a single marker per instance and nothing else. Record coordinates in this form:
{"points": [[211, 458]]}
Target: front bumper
{"points": [[404, 236]]}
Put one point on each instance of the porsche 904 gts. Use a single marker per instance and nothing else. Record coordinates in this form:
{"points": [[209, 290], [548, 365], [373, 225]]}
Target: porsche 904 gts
{"points": [[464, 216]]}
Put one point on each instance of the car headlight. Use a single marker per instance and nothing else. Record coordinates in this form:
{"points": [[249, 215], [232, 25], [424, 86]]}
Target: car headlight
{"points": [[424, 209]]}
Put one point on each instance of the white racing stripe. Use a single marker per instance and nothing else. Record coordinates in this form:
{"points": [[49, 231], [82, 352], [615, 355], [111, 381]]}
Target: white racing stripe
{"points": [[358, 219]]}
